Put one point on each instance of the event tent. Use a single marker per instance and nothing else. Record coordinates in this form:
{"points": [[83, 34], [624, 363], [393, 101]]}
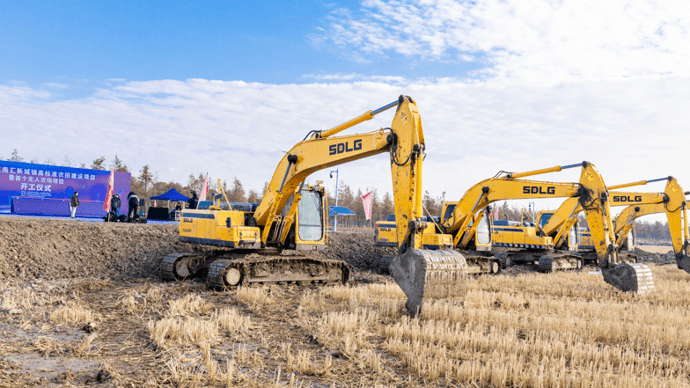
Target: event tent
{"points": [[340, 211], [171, 195]]}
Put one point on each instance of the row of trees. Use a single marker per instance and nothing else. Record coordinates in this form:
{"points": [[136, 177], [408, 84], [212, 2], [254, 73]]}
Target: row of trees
{"points": [[147, 184]]}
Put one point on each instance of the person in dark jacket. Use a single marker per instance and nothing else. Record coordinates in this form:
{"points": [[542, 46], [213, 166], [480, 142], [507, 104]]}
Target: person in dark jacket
{"points": [[73, 204], [115, 204], [133, 202], [194, 201]]}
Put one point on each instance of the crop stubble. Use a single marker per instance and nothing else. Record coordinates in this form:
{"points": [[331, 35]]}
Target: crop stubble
{"points": [[525, 329]]}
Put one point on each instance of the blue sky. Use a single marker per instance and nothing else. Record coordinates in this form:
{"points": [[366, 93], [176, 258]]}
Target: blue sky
{"points": [[501, 84], [84, 42]]}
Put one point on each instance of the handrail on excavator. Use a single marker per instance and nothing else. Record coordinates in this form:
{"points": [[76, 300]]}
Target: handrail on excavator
{"points": [[638, 183], [514, 175], [359, 119]]}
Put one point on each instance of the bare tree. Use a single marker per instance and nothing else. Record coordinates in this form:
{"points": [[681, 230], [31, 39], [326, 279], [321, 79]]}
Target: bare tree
{"points": [[49, 161], [98, 164], [386, 206], [15, 157], [253, 197], [147, 178], [67, 162], [118, 165], [236, 193]]}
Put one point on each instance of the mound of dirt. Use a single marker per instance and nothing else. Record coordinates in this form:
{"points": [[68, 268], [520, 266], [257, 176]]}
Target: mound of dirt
{"points": [[356, 247], [53, 249], [656, 258]]}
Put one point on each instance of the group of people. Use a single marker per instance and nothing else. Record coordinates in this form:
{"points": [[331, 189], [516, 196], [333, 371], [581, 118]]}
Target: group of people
{"points": [[132, 201]]}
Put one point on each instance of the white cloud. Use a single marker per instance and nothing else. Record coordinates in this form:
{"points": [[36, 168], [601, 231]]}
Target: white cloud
{"points": [[531, 41], [631, 129], [352, 77], [565, 81]]}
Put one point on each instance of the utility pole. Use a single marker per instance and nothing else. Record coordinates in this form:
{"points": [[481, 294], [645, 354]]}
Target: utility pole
{"points": [[335, 217]]}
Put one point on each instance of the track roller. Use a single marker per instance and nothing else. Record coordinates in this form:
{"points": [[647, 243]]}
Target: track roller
{"points": [[222, 274], [174, 267], [550, 263]]}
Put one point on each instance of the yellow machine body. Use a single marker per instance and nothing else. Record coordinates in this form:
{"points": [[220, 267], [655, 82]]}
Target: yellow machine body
{"points": [[226, 228], [278, 221], [516, 234], [385, 235]]}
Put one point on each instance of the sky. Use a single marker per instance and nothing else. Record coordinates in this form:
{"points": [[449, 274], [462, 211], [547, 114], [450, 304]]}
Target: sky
{"points": [[227, 87]]}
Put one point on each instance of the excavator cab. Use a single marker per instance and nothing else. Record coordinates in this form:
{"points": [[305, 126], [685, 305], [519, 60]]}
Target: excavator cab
{"points": [[543, 218], [308, 232]]}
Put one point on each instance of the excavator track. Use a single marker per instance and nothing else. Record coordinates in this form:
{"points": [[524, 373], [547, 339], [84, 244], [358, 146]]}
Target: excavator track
{"points": [[636, 277], [167, 268], [259, 269], [550, 263]]}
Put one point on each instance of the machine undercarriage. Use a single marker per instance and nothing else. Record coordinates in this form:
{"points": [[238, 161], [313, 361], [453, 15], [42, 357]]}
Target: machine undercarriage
{"points": [[223, 268]]}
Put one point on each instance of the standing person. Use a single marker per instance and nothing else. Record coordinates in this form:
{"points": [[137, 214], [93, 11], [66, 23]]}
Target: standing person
{"points": [[133, 202], [73, 204], [194, 201], [115, 204]]}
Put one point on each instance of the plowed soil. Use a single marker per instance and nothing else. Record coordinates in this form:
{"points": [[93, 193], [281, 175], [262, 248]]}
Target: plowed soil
{"points": [[78, 302], [55, 249]]}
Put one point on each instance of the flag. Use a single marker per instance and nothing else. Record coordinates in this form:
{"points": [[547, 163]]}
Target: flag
{"points": [[109, 193], [367, 203], [204, 189]]}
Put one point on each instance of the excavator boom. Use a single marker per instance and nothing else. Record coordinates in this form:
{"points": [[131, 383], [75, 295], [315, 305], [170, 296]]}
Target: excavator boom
{"points": [[276, 222], [671, 201], [420, 273], [590, 194], [675, 208]]}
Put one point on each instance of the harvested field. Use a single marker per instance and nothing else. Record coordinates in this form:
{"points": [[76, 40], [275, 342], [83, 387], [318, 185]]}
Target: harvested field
{"points": [[124, 329]]}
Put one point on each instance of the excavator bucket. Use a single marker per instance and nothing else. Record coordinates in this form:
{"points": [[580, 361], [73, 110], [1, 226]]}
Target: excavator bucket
{"points": [[636, 277], [683, 262], [429, 275]]}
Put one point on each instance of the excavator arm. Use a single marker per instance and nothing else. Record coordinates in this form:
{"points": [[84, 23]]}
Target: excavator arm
{"points": [[671, 201], [466, 213], [421, 274], [404, 141], [676, 214], [590, 194], [565, 217]]}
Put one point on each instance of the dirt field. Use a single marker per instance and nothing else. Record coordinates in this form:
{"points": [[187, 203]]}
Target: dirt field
{"points": [[81, 305]]}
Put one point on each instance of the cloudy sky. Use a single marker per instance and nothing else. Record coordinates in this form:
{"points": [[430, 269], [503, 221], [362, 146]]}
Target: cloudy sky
{"points": [[227, 87]]}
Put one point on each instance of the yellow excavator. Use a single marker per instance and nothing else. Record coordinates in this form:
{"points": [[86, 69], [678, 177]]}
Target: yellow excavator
{"points": [[562, 226], [247, 242], [474, 233], [671, 201], [677, 225], [591, 194], [467, 221]]}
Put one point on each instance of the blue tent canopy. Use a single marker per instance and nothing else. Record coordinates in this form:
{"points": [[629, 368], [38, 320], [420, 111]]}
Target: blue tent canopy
{"points": [[339, 211], [171, 195]]}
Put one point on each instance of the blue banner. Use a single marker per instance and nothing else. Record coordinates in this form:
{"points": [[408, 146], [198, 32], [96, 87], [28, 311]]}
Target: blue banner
{"points": [[56, 184]]}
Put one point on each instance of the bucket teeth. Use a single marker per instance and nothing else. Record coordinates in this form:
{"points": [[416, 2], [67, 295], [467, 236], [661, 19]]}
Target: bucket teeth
{"points": [[630, 277], [425, 275], [683, 263]]}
